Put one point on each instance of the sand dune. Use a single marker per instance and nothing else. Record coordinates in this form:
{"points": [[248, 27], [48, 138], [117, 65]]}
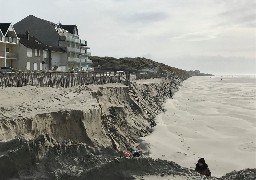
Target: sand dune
{"points": [[211, 118]]}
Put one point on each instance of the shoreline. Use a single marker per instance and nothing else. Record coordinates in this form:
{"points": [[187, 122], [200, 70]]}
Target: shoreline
{"points": [[209, 125]]}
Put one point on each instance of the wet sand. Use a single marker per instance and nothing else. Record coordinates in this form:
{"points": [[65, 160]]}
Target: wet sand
{"points": [[211, 118]]}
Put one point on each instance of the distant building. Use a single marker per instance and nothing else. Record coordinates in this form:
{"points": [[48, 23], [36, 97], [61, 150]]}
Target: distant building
{"points": [[197, 73], [60, 47]]}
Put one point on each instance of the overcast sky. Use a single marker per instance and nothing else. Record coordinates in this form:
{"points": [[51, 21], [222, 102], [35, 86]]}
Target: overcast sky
{"points": [[214, 36]]}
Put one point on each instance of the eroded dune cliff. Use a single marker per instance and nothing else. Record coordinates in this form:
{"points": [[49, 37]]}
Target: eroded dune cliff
{"points": [[81, 132], [42, 124]]}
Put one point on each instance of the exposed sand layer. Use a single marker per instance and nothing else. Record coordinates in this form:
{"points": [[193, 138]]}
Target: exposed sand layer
{"points": [[80, 121], [211, 118], [80, 132]]}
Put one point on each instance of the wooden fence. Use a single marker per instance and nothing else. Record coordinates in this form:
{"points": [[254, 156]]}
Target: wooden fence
{"points": [[58, 79], [65, 80]]}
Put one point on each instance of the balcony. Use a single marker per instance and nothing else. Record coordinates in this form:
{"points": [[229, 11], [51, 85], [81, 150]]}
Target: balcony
{"points": [[89, 61], [77, 41], [11, 55], [69, 37], [85, 60], [74, 60], [84, 47], [84, 55], [83, 43], [73, 49]]}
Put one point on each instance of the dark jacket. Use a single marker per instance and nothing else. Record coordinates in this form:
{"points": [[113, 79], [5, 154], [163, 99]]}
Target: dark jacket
{"points": [[202, 167]]}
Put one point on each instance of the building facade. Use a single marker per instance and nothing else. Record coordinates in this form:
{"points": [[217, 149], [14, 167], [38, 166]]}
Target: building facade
{"points": [[8, 45], [58, 36], [35, 55], [77, 49]]}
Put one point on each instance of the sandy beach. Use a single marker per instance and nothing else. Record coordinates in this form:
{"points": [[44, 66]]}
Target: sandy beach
{"points": [[211, 118], [207, 117]]}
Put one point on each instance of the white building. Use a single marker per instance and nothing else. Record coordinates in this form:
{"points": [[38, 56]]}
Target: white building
{"points": [[8, 45]]}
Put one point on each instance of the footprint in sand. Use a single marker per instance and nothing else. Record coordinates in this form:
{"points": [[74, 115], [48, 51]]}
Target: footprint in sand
{"points": [[250, 147]]}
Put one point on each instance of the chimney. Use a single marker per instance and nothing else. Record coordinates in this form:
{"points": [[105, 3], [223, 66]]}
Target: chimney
{"points": [[27, 35]]}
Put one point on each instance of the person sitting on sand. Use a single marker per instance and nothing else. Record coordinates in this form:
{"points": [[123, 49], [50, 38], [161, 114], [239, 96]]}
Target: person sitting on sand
{"points": [[135, 154], [202, 167]]}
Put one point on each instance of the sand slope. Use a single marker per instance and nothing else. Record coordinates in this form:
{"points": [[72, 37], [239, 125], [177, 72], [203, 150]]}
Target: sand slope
{"points": [[211, 118]]}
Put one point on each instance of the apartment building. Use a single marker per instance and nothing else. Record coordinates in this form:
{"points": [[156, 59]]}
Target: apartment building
{"points": [[77, 49], [58, 37]]}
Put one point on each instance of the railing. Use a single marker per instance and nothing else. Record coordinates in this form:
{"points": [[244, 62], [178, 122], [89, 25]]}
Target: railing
{"points": [[77, 41], [73, 49], [69, 37], [84, 47], [89, 61], [72, 59], [83, 43], [86, 61], [86, 54], [83, 56]]}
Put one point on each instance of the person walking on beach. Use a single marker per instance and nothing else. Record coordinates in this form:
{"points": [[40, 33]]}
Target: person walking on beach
{"points": [[202, 168]]}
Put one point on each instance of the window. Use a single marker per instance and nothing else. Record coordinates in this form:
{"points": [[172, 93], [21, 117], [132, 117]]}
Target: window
{"points": [[37, 52], [28, 65], [45, 54], [29, 52], [41, 66], [7, 49], [35, 66]]}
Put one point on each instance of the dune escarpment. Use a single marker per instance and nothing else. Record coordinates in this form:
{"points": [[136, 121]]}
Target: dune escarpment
{"points": [[80, 132], [70, 127]]}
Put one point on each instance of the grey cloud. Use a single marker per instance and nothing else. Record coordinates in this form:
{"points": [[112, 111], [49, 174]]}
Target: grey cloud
{"points": [[216, 64], [144, 17], [120, 0], [197, 36], [240, 13], [251, 24]]}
